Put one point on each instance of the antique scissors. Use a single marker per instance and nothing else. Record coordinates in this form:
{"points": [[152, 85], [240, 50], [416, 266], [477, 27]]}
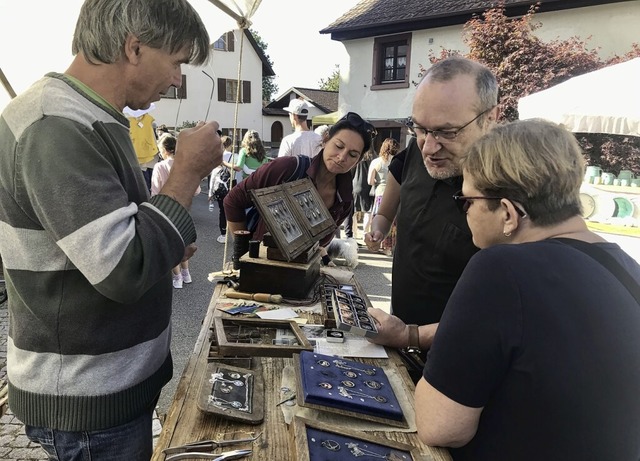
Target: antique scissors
{"points": [[235, 454], [207, 445]]}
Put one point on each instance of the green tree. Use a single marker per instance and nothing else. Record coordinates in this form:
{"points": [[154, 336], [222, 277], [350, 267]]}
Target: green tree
{"points": [[524, 64], [269, 87], [332, 83], [187, 124]]}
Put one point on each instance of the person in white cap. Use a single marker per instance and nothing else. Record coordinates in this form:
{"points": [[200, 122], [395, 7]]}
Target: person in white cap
{"points": [[302, 141]]}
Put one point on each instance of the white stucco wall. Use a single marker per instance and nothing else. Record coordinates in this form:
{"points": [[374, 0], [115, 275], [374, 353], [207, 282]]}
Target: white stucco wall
{"points": [[223, 64], [612, 28]]}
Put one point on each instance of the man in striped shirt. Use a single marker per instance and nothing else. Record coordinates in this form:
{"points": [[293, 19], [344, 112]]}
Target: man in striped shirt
{"points": [[87, 254]]}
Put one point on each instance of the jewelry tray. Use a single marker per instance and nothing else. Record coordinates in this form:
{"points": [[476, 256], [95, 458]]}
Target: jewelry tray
{"points": [[350, 312], [258, 337], [232, 393], [346, 387], [326, 292], [316, 441]]}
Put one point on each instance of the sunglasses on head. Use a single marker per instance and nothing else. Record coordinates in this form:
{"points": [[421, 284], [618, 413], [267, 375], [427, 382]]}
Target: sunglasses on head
{"points": [[463, 202], [359, 123]]}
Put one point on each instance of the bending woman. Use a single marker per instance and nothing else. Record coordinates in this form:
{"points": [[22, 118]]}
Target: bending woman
{"points": [[329, 171]]}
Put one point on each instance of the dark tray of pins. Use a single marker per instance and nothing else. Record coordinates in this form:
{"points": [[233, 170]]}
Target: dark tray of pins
{"points": [[326, 299], [232, 393], [347, 387], [350, 312]]}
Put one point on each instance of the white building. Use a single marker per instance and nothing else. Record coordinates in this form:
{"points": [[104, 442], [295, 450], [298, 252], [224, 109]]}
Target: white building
{"points": [[209, 92], [388, 40]]}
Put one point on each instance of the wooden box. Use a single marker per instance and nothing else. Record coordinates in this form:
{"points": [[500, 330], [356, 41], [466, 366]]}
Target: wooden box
{"points": [[291, 280], [295, 215], [258, 337]]}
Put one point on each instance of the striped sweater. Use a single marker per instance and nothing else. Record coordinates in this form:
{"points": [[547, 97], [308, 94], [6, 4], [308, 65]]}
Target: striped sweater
{"points": [[87, 259]]}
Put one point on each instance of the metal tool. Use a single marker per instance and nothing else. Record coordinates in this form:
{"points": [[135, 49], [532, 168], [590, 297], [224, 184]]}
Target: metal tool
{"points": [[288, 399], [232, 282], [235, 454], [204, 445]]}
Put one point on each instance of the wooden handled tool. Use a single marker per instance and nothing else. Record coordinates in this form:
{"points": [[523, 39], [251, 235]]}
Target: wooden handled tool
{"points": [[260, 297]]}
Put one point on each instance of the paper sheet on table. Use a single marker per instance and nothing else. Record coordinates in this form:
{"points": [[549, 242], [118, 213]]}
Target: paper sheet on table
{"points": [[353, 346], [278, 314]]}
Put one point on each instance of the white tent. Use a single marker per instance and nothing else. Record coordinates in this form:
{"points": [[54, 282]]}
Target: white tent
{"points": [[603, 101]]}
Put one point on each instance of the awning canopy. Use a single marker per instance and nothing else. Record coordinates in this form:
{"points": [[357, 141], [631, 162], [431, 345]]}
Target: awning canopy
{"points": [[604, 101], [325, 119]]}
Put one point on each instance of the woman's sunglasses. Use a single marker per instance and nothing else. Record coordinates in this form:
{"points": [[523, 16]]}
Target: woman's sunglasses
{"points": [[464, 202], [359, 123]]}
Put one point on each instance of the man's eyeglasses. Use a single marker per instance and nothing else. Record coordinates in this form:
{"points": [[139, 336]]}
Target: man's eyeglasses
{"points": [[464, 202], [359, 123], [449, 135]]}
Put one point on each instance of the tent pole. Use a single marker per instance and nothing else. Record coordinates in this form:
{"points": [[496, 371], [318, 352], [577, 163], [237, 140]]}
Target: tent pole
{"points": [[7, 86]]}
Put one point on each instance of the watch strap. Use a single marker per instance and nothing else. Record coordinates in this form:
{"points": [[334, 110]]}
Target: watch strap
{"points": [[414, 338]]}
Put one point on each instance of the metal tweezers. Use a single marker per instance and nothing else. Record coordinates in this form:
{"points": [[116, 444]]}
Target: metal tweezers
{"points": [[235, 454], [198, 449]]}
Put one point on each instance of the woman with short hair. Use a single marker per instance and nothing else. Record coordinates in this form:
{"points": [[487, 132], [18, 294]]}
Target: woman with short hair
{"points": [[537, 355]]}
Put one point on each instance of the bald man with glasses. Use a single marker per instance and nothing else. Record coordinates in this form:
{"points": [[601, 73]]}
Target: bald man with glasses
{"points": [[455, 103]]}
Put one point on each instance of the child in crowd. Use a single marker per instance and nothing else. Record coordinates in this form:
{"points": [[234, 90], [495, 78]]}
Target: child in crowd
{"points": [[167, 145]]}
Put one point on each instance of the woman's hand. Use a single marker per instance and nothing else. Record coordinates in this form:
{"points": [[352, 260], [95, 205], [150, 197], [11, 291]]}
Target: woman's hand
{"points": [[392, 331], [326, 259]]}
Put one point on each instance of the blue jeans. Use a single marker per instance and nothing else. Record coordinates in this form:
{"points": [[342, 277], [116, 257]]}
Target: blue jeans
{"points": [[130, 442]]}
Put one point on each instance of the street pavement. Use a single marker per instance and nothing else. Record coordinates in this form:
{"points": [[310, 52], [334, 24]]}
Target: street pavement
{"points": [[189, 307]]}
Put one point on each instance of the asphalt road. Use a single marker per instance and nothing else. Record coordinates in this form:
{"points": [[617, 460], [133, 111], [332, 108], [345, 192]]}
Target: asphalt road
{"points": [[191, 302]]}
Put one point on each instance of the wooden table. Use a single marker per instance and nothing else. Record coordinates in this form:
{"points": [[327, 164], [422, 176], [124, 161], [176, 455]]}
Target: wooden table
{"points": [[185, 423]]}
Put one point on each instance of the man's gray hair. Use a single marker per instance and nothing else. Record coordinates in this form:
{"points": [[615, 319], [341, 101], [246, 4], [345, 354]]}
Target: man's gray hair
{"points": [[451, 67], [104, 25]]}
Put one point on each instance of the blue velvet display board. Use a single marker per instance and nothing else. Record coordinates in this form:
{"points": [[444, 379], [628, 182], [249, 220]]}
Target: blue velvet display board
{"points": [[325, 446], [344, 384]]}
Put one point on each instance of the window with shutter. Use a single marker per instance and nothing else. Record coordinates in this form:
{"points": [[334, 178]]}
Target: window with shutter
{"points": [[391, 62], [228, 89], [232, 90], [222, 89], [230, 41]]}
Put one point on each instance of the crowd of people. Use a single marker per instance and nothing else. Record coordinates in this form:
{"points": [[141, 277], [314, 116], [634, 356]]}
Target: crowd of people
{"points": [[522, 322]]}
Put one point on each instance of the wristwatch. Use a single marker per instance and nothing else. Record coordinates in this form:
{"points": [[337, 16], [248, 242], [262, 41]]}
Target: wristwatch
{"points": [[414, 340]]}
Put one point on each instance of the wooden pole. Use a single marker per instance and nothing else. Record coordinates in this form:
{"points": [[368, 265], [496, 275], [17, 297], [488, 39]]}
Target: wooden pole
{"points": [[7, 86]]}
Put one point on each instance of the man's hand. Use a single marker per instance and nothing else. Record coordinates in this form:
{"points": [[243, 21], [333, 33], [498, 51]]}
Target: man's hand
{"points": [[373, 240], [392, 331], [199, 148]]}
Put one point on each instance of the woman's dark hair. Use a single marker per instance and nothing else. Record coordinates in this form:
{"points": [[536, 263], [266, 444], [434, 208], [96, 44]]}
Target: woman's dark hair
{"points": [[354, 122], [168, 143]]}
